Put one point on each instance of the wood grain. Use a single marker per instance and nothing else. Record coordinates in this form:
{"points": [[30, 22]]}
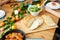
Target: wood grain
{"points": [[47, 34], [23, 24]]}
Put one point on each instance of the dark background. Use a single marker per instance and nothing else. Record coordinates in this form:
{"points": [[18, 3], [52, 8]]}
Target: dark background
{"points": [[57, 32]]}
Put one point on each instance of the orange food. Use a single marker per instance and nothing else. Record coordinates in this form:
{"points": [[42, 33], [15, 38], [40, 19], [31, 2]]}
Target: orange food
{"points": [[13, 18], [17, 18], [14, 27], [14, 36], [2, 24], [19, 10]]}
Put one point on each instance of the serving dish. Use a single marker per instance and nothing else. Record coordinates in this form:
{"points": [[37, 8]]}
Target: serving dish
{"points": [[2, 13], [34, 10], [15, 31], [53, 5]]}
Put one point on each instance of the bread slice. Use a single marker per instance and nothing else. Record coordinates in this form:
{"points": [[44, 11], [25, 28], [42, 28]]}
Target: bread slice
{"points": [[28, 20], [36, 24], [48, 20]]}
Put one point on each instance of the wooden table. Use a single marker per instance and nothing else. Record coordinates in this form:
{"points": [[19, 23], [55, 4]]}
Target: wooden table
{"points": [[47, 34]]}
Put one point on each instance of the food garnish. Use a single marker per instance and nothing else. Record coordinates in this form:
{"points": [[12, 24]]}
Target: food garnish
{"points": [[53, 3], [13, 19], [19, 10], [17, 18], [14, 27], [2, 23], [16, 12]]}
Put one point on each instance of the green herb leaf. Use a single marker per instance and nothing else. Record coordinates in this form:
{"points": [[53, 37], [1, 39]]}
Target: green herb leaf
{"points": [[0, 26]]}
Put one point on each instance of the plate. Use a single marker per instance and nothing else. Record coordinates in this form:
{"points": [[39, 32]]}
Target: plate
{"points": [[17, 31], [2, 13], [53, 5]]}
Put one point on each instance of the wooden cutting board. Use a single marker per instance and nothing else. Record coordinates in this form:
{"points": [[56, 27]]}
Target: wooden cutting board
{"points": [[23, 25]]}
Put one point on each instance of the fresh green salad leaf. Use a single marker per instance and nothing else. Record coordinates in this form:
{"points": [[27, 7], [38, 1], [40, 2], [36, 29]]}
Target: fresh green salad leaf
{"points": [[34, 9], [21, 5]]}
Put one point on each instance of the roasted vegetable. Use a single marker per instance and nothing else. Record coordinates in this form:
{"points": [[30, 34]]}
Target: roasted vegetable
{"points": [[19, 9], [14, 27], [13, 19], [9, 22], [2, 23], [17, 18]]}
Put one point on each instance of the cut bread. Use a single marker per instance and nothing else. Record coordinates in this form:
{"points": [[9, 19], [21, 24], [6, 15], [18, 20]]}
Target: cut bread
{"points": [[48, 20], [28, 20], [36, 24]]}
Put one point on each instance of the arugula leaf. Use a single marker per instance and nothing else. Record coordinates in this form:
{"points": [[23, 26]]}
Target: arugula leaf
{"points": [[13, 14], [20, 15], [0, 26], [21, 5], [7, 26], [3, 33]]}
